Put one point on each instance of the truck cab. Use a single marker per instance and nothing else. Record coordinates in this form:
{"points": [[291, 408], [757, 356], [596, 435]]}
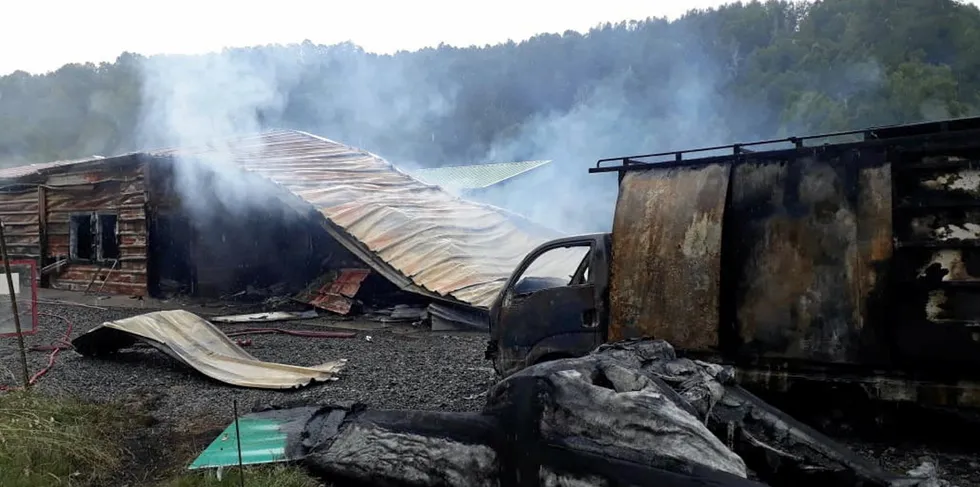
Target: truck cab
{"points": [[554, 305]]}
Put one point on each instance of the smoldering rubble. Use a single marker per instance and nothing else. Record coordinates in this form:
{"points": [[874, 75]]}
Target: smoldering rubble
{"points": [[631, 413]]}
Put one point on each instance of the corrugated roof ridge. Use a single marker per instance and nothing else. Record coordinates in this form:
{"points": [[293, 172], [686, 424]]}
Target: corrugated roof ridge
{"points": [[468, 202], [484, 164], [467, 171], [531, 165], [472, 266]]}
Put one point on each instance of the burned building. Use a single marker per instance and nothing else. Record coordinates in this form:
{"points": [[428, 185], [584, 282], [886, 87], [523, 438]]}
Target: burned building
{"points": [[159, 222], [119, 225]]}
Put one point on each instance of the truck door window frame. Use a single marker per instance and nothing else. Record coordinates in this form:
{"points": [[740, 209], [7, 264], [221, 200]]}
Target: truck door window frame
{"points": [[576, 279], [582, 275]]}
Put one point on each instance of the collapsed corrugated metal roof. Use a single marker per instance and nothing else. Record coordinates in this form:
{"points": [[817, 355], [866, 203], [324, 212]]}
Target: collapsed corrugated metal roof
{"points": [[417, 235], [474, 176], [192, 340]]}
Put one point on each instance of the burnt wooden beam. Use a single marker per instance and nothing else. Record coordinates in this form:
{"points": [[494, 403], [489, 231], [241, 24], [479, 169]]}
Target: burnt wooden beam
{"points": [[42, 227]]}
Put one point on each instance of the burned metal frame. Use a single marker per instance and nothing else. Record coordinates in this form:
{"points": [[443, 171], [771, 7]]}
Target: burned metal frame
{"points": [[920, 133], [555, 322], [880, 236]]}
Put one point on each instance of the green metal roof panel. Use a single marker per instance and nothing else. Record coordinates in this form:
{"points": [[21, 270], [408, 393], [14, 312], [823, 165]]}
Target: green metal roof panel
{"points": [[264, 438], [474, 176], [262, 442]]}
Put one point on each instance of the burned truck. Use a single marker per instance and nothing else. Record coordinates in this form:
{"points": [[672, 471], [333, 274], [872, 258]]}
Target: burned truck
{"points": [[847, 260]]}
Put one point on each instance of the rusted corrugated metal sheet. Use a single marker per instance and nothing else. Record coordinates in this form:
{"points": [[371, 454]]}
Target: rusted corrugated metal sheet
{"points": [[666, 274], [199, 344], [474, 176], [418, 236], [337, 293]]}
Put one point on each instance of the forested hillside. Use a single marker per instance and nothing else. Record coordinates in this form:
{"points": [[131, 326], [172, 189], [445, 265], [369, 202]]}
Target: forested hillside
{"points": [[739, 72]]}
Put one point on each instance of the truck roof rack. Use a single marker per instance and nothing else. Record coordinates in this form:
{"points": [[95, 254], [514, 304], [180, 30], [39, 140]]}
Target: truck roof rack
{"points": [[705, 154]]}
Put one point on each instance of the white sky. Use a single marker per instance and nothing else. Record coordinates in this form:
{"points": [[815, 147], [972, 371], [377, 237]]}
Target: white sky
{"points": [[38, 36], [42, 35]]}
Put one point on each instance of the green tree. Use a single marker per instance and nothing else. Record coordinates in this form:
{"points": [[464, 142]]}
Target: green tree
{"points": [[741, 71]]}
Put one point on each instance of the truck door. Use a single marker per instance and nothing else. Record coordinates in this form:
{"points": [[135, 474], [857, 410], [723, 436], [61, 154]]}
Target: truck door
{"points": [[552, 306]]}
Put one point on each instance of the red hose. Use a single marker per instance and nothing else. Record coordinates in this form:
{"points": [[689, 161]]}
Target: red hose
{"points": [[65, 344], [62, 344]]}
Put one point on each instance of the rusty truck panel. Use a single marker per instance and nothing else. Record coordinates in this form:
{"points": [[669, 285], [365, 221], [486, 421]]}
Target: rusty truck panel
{"points": [[856, 262], [861, 253], [775, 258], [666, 274], [937, 285], [805, 253], [875, 236]]}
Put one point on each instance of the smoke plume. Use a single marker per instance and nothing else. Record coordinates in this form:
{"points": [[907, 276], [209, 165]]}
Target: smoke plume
{"points": [[422, 109], [338, 92], [202, 101], [385, 104], [605, 123]]}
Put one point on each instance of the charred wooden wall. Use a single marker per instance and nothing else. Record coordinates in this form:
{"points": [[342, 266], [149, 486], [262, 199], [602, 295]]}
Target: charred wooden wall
{"points": [[19, 210], [110, 189], [38, 210], [263, 244], [271, 241]]}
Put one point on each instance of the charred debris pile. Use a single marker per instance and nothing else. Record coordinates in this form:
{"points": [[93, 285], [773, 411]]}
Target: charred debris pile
{"points": [[631, 414]]}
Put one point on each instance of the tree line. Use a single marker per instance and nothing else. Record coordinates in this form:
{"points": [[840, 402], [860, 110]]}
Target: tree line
{"points": [[738, 72]]}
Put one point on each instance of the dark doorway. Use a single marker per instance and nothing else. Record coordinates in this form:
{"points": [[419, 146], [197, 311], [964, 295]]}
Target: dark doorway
{"points": [[170, 269]]}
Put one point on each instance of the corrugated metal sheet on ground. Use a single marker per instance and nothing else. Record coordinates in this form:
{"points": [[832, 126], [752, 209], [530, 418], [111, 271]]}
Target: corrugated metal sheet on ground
{"points": [[199, 344], [440, 243], [474, 176], [335, 293], [264, 437]]}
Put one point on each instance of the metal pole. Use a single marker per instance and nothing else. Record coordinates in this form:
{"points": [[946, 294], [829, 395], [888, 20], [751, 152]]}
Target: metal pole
{"points": [[238, 437], [13, 305]]}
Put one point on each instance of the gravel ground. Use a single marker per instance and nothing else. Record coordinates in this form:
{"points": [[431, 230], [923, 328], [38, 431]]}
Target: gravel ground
{"points": [[400, 368]]}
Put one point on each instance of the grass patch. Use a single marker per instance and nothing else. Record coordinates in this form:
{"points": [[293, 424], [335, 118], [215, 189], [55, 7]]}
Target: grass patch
{"points": [[265, 476], [60, 441], [46, 441]]}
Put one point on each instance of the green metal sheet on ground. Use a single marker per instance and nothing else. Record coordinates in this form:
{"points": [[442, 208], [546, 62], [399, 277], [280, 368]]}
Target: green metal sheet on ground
{"points": [[262, 442], [265, 438]]}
